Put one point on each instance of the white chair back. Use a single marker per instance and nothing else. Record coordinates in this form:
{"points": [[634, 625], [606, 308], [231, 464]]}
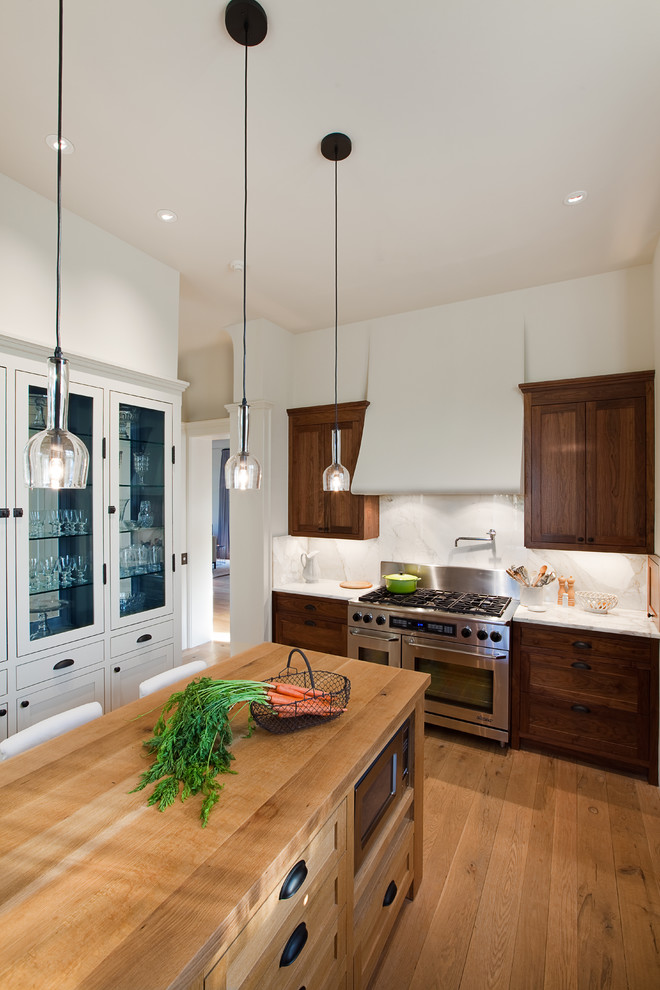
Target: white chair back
{"points": [[49, 728], [170, 677]]}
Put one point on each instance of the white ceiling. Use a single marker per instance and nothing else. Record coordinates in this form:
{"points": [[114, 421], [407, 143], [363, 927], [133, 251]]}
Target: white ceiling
{"points": [[470, 120]]}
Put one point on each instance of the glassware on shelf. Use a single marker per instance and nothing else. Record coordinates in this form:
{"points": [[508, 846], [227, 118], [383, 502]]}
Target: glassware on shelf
{"points": [[155, 558], [38, 421], [145, 517], [141, 465], [42, 611], [126, 417]]}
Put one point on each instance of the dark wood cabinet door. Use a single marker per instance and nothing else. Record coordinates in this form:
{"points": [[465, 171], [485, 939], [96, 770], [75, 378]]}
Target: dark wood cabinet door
{"points": [[616, 473], [589, 463], [558, 474], [313, 512]]}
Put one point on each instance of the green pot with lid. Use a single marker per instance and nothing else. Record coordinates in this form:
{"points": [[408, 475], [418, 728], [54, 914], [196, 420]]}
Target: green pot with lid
{"points": [[401, 584]]}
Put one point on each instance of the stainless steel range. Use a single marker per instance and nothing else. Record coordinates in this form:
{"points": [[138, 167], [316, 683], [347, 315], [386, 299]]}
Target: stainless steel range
{"points": [[455, 627]]}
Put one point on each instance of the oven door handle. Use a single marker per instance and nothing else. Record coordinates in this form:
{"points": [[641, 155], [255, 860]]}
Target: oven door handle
{"points": [[447, 648], [374, 635]]}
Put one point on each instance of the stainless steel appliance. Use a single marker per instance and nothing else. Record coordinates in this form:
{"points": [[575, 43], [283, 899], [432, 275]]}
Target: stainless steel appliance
{"points": [[455, 627]]}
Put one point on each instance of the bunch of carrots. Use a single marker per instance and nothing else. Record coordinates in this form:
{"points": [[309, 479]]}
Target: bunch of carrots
{"points": [[289, 700]]}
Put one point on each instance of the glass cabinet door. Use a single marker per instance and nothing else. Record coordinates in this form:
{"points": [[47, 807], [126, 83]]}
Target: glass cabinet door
{"points": [[142, 496], [59, 538], [3, 522]]}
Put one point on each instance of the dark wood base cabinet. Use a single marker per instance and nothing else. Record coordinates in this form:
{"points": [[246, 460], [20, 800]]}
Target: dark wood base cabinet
{"points": [[588, 695], [310, 622]]}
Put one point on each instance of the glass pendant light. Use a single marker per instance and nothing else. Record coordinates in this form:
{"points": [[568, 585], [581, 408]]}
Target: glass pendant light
{"points": [[336, 147], [247, 24], [56, 458]]}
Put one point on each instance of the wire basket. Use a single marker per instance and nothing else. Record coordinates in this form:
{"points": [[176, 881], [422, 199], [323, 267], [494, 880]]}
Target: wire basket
{"points": [[290, 717]]}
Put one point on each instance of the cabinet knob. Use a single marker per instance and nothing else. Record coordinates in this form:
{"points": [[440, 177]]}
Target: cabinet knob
{"points": [[581, 708], [294, 880], [3, 711], [295, 944], [390, 894], [24, 704], [590, 539], [580, 539], [117, 670]]}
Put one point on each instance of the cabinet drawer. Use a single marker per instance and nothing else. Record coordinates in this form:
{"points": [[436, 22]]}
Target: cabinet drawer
{"points": [[68, 692], [309, 870], [127, 673], [314, 937], [312, 634], [141, 637], [310, 605], [624, 688], [581, 644], [58, 665], [380, 904], [597, 730]]}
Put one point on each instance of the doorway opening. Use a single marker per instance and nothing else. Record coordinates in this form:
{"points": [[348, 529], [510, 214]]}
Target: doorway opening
{"points": [[220, 548]]}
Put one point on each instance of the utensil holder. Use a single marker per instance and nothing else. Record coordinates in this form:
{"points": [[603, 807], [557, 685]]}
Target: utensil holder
{"points": [[532, 598]]}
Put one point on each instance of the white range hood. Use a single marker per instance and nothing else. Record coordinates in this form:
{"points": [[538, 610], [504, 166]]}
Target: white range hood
{"points": [[445, 413]]}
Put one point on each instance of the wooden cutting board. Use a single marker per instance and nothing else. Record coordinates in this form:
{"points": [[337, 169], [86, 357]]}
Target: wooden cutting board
{"points": [[356, 585]]}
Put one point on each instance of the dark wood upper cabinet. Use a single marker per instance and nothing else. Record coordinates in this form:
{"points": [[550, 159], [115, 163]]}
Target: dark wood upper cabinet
{"points": [[313, 512], [589, 463]]}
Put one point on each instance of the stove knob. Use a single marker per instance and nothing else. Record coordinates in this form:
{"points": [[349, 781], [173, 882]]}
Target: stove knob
{"points": [[482, 634], [496, 636], [466, 632], [380, 620], [368, 617], [357, 616]]}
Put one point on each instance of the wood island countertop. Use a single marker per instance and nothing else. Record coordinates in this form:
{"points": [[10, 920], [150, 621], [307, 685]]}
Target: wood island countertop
{"points": [[99, 891]]}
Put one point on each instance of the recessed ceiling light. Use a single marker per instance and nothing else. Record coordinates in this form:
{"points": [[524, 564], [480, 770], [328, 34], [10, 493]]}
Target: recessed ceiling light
{"points": [[67, 146], [576, 197], [167, 216]]}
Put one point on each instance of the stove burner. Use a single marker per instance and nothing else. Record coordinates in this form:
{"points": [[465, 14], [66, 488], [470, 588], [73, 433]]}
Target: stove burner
{"points": [[441, 601]]}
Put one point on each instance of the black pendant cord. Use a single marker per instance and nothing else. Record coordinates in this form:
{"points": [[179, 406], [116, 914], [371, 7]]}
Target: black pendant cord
{"points": [[245, 207], [336, 304], [58, 349]]}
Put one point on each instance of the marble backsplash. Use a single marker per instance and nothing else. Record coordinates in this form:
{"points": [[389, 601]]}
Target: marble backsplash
{"points": [[422, 529]]}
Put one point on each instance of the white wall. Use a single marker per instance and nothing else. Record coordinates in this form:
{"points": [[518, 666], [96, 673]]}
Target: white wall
{"points": [[119, 305]]}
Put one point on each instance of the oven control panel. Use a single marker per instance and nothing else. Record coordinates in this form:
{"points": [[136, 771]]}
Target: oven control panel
{"points": [[424, 626]]}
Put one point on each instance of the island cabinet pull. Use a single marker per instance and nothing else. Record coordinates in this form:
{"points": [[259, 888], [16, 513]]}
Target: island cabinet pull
{"points": [[580, 644], [390, 894], [310, 608], [61, 664], [581, 665], [310, 622], [295, 944], [294, 880], [144, 638], [581, 708]]}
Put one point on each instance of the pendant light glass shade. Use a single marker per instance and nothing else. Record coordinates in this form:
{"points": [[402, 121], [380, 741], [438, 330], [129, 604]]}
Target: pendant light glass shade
{"points": [[336, 477], [56, 458], [243, 471]]}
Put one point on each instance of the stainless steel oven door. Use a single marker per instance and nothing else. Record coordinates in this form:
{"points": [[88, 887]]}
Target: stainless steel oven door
{"points": [[468, 691], [374, 646]]}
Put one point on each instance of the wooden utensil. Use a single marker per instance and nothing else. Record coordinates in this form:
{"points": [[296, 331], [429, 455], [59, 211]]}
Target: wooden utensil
{"points": [[539, 575]]}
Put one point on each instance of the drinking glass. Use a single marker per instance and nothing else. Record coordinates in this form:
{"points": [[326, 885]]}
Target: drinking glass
{"points": [[141, 465], [39, 422], [145, 517]]}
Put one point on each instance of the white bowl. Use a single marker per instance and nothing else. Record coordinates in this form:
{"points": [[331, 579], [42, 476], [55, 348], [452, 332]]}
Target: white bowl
{"points": [[596, 601]]}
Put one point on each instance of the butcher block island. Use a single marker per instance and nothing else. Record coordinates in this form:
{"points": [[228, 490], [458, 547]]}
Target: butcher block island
{"points": [[101, 892]]}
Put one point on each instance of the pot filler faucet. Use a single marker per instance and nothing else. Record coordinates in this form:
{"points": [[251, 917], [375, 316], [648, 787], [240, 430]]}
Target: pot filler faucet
{"points": [[491, 534]]}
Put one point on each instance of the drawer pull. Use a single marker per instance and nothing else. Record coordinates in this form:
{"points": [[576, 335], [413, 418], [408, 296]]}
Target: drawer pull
{"points": [[61, 664], [581, 645], [25, 704], [144, 638], [294, 880], [581, 708], [310, 622], [310, 608], [117, 670], [3, 711], [390, 894], [295, 944], [581, 665]]}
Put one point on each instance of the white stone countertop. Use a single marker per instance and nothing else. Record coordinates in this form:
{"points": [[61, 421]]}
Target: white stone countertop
{"points": [[324, 589], [619, 620]]}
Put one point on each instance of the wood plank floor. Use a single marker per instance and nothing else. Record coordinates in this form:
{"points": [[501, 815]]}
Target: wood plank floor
{"points": [[539, 874]]}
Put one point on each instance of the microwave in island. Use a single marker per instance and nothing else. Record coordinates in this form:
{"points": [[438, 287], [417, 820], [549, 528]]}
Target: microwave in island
{"points": [[380, 789]]}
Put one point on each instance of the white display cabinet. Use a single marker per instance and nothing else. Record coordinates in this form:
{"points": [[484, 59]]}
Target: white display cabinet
{"points": [[70, 611]]}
